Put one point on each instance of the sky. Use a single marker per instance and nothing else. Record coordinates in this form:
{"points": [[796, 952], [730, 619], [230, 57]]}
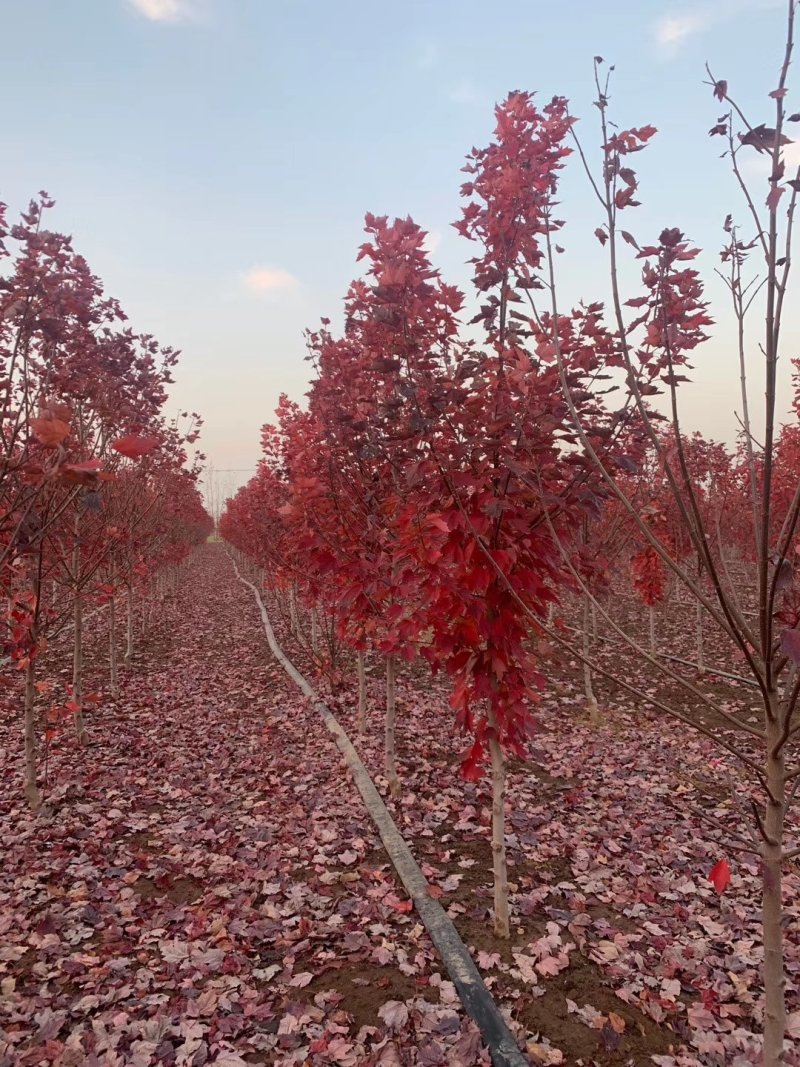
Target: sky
{"points": [[214, 159]]}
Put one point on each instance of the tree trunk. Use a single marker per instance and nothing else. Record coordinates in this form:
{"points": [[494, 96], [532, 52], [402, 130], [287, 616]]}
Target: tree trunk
{"points": [[362, 694], [314, 631], [112, 647], [652, 613], [699, 635], [293, 609], [77, 666], [591, 700], [77, 634], [30, 787], [772, 905], [502, 926], [129, 648], [389, 734]]}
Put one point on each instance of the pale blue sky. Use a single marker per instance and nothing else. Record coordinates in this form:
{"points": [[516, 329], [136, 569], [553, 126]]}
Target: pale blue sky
{"points": [[213, 159]]}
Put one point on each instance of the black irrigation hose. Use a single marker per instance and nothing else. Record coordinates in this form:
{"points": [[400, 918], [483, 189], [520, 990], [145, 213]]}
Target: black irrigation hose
{"points": [[474, 995]]}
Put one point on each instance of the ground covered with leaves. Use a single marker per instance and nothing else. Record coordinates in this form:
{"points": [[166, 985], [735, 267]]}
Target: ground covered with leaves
{"points": [[204, 886]]}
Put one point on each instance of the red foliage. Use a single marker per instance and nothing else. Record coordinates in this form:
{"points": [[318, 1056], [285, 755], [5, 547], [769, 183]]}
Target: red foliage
{"points": [[720, 876], [429, 485], [133, 445], [648, 575]]}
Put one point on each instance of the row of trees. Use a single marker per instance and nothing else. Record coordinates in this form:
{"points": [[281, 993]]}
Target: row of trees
{"points": [[439, 494], [97, 490]]}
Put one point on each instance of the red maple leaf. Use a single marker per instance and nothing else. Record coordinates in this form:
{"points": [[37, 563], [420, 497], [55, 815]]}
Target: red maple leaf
{"points": [[133, 446], [50, 432], [720, 875]]}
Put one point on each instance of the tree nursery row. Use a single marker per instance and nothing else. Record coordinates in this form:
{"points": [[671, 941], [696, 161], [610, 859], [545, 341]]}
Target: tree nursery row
{"points": [[484, 497], [560, 625]]}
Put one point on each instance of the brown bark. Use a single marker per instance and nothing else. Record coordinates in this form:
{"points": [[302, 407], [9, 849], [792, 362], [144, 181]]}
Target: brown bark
{"points": [[112, 648], [502, 925], [772, 904], [30, 788], [77, 666], [389, 733], [362, 694], [77, 636], [314, 630], [591, 701], [129, 646]]}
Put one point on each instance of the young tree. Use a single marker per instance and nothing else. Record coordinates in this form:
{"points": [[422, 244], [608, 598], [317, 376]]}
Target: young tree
{"points": [[80, 392], [670, 324]]}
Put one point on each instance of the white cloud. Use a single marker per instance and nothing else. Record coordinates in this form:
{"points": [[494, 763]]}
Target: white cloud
{"points": [[755, 164], [672, 30], [166, 10], [432, 241], [759, 164], [791, 156], [465, 92], [427, 55], [262, 280]]}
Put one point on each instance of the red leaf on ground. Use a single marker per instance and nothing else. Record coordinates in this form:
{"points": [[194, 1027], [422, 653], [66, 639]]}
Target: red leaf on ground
{"points": [[397, 904], [720, 875]]}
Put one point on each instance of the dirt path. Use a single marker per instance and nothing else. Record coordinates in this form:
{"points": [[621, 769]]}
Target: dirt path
{"points": [[203, 887]]}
